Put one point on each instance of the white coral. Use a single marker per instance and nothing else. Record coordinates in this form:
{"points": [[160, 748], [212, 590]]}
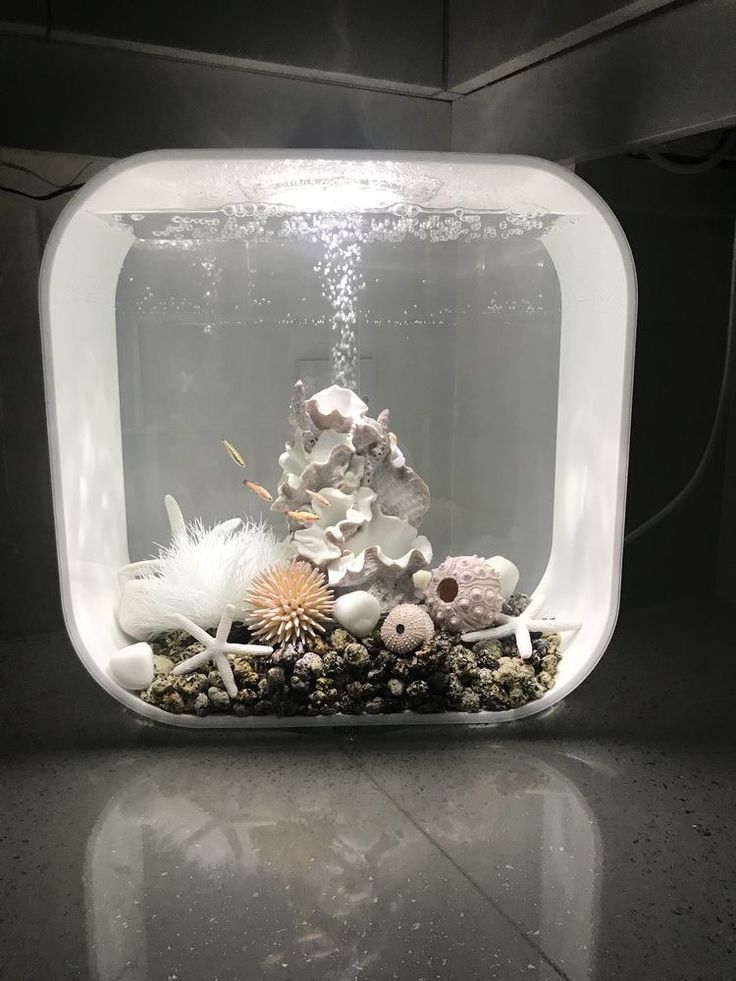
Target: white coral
{"points": [[385, 547], [336, 408], [201, 572], [347, 469], [356, 544]]}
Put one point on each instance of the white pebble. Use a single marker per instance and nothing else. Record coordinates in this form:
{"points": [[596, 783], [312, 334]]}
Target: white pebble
{"points": [[132, 667], [508, 573], [357, 612]]}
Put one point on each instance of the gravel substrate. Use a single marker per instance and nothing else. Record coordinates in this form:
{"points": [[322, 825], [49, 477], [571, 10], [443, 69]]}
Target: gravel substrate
{"points": [[341, 674]]}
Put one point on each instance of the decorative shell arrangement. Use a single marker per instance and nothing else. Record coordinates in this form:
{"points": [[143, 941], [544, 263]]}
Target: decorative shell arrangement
{"points": [[345, 477], [464, 594], [288, 603]]}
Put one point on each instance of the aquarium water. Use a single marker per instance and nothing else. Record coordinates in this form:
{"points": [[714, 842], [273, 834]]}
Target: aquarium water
{"points": [[450, 319]]}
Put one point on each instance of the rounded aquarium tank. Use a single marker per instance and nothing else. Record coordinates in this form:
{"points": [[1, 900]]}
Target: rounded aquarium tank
{"points": [[336, 437]]}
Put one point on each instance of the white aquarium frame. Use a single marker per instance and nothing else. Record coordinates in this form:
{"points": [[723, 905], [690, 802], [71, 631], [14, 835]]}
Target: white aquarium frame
{"points": [[78, 284]]}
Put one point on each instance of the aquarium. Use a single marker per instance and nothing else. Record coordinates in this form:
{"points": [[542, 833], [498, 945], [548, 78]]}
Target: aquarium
{"points": [[338, 438]]}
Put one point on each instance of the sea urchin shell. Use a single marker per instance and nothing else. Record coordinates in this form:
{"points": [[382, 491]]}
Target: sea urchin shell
{"points": [[405, 628], [464, 594], [288, 603]]}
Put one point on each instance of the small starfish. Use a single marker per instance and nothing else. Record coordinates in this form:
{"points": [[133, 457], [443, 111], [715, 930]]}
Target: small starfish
{"points": [[217, 648], [522, 626]]}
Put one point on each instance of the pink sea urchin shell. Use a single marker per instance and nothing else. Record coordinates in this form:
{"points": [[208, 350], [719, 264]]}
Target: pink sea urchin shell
{"points": [[405, 628], [464, 594]]}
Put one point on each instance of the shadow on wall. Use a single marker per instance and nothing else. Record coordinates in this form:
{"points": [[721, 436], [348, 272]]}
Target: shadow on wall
{"points": [[680, 228]]}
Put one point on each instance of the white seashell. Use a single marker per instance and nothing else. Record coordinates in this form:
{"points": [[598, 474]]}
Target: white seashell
{"points": [[132, 667], [385, 547], [421, 580], [336, 408], [507, 572], [330, 462], [357, 612], [323, 541], [362, 545]]}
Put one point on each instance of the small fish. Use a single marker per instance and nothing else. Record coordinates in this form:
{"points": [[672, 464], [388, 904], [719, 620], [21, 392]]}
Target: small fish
{"points": [[258, 490], [319, 498], [302, 516], [234, 455]]}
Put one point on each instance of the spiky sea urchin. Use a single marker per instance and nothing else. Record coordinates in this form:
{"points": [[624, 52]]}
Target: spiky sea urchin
{"points": [[288, 603]]}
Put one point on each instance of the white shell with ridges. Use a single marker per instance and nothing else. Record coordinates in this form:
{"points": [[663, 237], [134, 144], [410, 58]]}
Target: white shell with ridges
{"points": [[336, 408]]}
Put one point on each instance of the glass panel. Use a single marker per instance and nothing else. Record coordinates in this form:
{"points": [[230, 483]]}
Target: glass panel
{"points": [[451, 320]]}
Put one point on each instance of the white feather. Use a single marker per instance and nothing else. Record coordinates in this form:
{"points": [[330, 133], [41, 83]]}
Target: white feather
{"points": [[201, 572]]}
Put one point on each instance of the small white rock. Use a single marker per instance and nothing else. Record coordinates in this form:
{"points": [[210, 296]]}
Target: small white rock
{"points": [[132, 667], [357, 612], [508, 573]]}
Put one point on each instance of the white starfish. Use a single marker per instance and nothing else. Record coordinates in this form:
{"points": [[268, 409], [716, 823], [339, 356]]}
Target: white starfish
{"points": [[522, 626], [217, 648]]}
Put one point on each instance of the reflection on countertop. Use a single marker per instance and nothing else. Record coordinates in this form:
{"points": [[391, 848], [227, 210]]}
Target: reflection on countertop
{"points": [[306, 879]]}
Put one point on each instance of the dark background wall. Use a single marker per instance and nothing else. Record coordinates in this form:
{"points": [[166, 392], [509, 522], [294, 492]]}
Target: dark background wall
{"points": [[681, 231]]}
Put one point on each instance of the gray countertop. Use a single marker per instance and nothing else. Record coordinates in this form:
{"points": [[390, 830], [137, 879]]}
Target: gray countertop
{"points": [[593, 842]]}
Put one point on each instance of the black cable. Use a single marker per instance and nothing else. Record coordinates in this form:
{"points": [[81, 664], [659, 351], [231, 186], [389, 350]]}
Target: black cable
{"points": [[716, 156], [41, 197], [718, 420], [71, 185]]}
